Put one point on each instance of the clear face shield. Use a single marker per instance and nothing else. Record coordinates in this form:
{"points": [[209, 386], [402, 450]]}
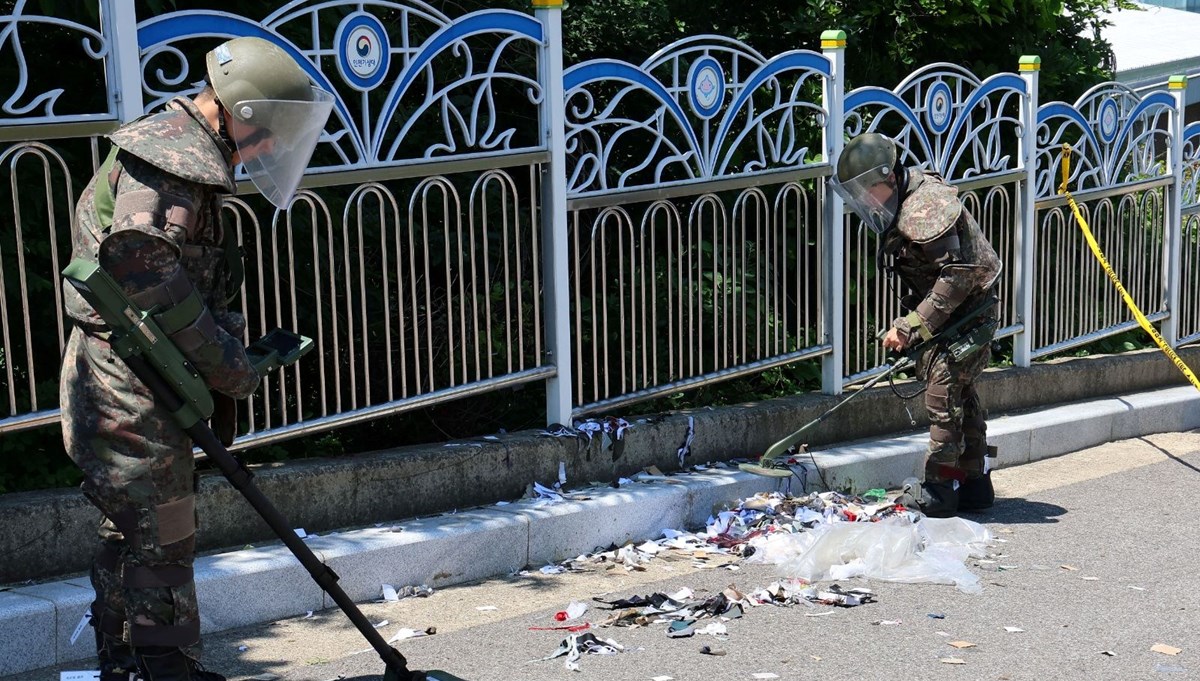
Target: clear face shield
{"points": [[872, 195], [275, 140]]}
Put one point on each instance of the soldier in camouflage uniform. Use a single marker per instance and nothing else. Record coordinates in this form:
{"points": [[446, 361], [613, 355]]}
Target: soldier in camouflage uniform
{"points": [[941, 257], [151, 219]]}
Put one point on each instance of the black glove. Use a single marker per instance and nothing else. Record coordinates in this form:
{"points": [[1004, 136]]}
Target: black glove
{"points": [[224, 419]]}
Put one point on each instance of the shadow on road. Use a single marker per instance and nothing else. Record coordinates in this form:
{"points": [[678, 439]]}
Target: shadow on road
{"points": [[1018, 511], [1171, 456]]}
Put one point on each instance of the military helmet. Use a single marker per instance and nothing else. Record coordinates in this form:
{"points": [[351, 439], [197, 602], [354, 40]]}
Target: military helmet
{"points": [[276, 114], [866, 180], [247, 69], [869, 151]]}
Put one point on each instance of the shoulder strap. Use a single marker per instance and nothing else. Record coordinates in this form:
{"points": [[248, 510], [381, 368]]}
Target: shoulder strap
{"points": [[106, 186]]}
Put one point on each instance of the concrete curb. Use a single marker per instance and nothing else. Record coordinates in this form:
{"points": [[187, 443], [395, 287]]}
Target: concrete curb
{"points": [[264, 584]]}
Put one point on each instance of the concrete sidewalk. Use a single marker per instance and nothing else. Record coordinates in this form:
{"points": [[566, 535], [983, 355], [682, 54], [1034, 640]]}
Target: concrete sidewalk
{"points": [[263, 584]]}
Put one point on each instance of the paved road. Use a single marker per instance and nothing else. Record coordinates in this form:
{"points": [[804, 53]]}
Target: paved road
{"points": [[1123, 514]]}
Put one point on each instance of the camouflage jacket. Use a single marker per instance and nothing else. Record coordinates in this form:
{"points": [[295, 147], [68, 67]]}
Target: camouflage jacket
{"points": [[940, 255], [176, 224]]}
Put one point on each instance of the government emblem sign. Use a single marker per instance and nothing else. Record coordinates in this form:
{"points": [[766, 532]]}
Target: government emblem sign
{"points": [[363, 51]]}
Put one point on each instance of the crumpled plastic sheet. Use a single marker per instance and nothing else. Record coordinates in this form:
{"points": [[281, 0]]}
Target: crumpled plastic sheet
{"points": [[894, 549]]}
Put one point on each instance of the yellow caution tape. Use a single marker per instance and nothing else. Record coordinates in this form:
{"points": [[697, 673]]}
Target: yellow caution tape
{"points": [[1112, 276]]}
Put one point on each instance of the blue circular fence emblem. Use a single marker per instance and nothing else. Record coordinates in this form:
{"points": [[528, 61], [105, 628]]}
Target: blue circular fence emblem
{"points": [[362, 51], [1108, 120], [937, 107], [706, 87]]}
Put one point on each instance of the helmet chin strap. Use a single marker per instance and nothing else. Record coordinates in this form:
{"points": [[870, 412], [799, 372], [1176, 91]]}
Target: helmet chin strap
{"points": [[222, 132]]}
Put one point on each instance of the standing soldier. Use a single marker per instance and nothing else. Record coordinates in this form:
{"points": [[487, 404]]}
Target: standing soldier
{"points": [[947, 266], [151, 219]]}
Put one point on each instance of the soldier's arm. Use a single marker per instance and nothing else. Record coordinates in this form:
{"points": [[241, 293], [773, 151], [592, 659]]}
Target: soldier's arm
{"points": [[953, 285], [142, 254]]}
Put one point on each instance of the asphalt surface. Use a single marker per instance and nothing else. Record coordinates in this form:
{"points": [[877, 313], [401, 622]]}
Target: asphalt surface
{"points": [[1098, 555]]}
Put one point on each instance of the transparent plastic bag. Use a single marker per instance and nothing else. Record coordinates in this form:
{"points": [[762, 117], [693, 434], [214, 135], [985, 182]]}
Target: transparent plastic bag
{"points": [[894, 550]]}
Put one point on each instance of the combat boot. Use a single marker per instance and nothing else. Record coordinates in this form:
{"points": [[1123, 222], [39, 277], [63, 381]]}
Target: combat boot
{"points": [[976, 493], [171, 664], [116, 657], [934, 499], [116, 660]]}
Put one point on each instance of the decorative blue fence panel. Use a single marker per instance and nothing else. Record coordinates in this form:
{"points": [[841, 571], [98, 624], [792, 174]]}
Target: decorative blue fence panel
{"points": [[34, 97], [948, 121], [1120, 149], [412, 85], [695, 219]]}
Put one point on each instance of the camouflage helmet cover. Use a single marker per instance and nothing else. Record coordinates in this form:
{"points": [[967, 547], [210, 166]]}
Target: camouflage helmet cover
{"points": [[866, 180]]}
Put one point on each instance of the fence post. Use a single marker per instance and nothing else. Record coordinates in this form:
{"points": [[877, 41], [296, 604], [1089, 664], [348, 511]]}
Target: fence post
{"points": [[1173, 229], [119, 23], [1026, 232], [833, 45], [556, 294]]}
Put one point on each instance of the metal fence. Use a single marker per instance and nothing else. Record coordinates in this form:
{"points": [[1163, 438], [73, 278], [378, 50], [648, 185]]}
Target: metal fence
{"points": [[478, 217]]}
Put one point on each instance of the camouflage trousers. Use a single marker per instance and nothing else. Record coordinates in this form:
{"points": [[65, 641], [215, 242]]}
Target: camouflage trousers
{"points": [[957, 426], [139, 471]]}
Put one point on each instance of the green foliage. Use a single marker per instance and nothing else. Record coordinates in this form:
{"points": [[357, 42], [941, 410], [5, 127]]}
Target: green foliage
{"points": [[885, 40]]}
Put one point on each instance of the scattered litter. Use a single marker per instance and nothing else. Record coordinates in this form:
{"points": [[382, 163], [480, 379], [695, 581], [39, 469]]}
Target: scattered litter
{"points": [[952, 660], [83, 622], [706, 650], [1013, 630], [876, 494], [1008, 567], [242, 649], [685, 450], [831, 536], [577, 645], [552, 570], [392, 594], [300, 532], [1137, 588], [818, 614], [1090, 579], [483, 608], [264, 677], [381, 624], [942, 633], [406, 633], [573, 611], [1108, 653], [79, 676], [1163, 668], [308, 615], [1165, 649], [663, 678], [574, 627], [937, 616], [886, 622], [1069, 567], [961, 644], [765, 675], [714, 629], [562, 474]]}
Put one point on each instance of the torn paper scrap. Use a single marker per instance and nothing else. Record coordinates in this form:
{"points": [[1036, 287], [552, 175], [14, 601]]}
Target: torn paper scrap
{"points": [[1165, 649]]}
